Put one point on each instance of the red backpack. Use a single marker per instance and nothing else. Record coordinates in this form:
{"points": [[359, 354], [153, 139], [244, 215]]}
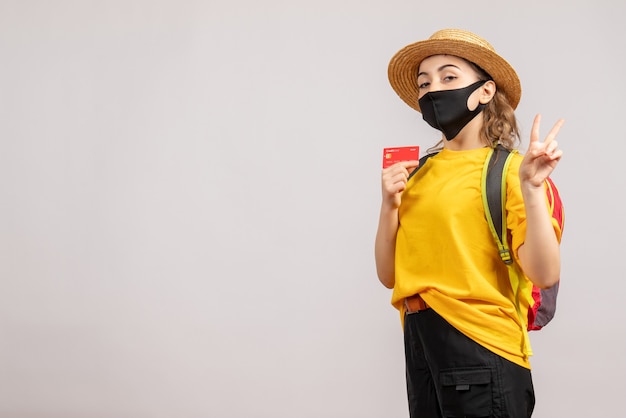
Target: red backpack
{"points": [[540, 304]]}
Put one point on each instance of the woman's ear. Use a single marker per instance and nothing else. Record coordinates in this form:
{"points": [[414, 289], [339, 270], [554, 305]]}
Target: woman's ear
{"points": [[487, 91]]}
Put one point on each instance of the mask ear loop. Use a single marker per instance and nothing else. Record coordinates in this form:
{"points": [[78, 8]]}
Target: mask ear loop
{"points": [[480, 106]]}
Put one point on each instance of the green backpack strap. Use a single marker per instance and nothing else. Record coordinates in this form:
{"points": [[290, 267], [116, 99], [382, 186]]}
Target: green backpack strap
{"points": [[494, 193], [493, 185]]}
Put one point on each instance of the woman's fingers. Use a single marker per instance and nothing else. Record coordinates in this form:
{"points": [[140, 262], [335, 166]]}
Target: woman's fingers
{"points": [[554, 131], [396, 176], [534, 132], [549, 146]]}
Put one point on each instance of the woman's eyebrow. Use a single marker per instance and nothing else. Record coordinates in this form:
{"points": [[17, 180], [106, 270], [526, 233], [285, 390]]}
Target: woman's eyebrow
{"points": [[440, 69]]}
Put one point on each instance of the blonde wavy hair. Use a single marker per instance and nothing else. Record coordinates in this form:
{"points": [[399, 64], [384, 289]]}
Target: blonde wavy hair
{"points": [[499, 120]]}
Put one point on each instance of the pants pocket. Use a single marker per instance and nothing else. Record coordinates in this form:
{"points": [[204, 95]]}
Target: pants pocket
{"points": [[466, 392]]}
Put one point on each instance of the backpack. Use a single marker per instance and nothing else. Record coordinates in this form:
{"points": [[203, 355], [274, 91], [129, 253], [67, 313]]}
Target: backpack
{"points": [[540, 304]]}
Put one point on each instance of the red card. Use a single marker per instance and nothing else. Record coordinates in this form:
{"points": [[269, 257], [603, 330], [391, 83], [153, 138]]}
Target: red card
{"points": [[396, 154]]}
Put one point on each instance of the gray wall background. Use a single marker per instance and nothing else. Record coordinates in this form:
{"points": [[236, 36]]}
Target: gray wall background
{"points": [[189, 194]]}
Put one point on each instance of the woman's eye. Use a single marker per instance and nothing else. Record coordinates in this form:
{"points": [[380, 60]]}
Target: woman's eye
{"points": [[449, 78], [423, 85]]}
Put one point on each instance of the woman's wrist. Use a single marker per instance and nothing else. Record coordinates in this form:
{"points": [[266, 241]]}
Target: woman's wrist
{"points": [[533, 194]]}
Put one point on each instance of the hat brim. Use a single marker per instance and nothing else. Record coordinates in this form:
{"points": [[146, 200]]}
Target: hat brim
{"points": [[402, 71]]}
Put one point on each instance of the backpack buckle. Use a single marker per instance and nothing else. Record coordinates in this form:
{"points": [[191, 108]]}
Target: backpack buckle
{"points": [[505, 255]]}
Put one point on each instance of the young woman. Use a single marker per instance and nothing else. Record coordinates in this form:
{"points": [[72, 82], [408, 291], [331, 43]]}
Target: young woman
{"points": [[466, 345]]}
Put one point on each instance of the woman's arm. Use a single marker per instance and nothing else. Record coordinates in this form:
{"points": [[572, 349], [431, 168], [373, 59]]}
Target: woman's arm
{"points": [[385, 246], [539, 256], [393, 182]]}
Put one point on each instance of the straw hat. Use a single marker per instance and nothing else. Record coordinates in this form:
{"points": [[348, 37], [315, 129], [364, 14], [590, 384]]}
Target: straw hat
{"points": [[403, 66]]}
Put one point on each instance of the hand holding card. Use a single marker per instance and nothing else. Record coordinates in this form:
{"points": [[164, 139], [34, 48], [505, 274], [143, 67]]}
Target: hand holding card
{"points": [[397, 154]]}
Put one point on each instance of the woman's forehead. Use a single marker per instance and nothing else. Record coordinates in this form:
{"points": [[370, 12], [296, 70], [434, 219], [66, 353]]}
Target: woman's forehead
{"points": [[437, 61]]}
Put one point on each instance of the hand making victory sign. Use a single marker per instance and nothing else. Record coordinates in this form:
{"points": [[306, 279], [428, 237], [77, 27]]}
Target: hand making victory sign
{"points": [[541, 158]]}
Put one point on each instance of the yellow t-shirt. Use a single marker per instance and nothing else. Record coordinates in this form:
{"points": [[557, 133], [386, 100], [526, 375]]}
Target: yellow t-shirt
{"points": [[446, 253]]}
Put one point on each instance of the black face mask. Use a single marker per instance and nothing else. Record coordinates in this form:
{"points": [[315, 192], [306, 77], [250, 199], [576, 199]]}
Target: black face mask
{"points": [[446, 110]]}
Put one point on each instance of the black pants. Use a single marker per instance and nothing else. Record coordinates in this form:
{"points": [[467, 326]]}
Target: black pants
{"points": [[448, 375]]}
